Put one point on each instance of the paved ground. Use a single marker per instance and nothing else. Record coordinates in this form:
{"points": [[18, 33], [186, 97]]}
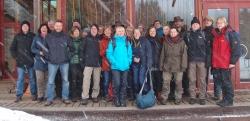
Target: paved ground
{"points": [[106, 111]]}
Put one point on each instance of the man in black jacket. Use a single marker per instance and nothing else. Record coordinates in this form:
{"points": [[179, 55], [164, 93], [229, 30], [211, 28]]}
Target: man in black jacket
{"points": [[58, 44], [89, 53], [21, 51], [196, 43]]}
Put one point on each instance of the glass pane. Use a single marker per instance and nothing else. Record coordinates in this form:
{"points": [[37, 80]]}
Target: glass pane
{"points": [[49, 10], [18, 10], [164, 10], [244, 21], [215, 13], [101, 12]]}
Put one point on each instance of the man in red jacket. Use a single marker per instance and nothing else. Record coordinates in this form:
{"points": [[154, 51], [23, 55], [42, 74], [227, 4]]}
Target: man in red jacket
{"points": [[225, 54]]}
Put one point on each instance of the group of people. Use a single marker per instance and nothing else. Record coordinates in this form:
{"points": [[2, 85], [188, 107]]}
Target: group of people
{"points": [[112, 62]]}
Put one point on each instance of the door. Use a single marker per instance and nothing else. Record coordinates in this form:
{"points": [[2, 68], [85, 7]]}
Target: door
{"points": [[238, 16], [242, 21]]}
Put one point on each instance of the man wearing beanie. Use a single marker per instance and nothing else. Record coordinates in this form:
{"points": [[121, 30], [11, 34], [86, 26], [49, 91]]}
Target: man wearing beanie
{"points": [[196, 43], [21, 51]]}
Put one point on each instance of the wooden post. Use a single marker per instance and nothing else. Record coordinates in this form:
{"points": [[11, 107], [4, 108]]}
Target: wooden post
{"points": [[37, 13], [130, 10], [61, 12]]}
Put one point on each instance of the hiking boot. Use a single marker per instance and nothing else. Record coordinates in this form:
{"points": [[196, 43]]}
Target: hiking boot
{"points": [[84, 101], [95, 100], [202, 102], [66, 101], [18, 99], [163, 102], [191, 101], [40, 99], [177, 102], [215, 98], [224, 103], [48, 103], [117, 103], [74, 99], [34, 98], [123, 104]]}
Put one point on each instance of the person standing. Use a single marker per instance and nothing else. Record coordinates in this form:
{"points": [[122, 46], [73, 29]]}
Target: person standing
{"points": [[225, 54], [208, 22], [105, 64], [74, 65], [156, 73], [197, 52], [119, 54], [142, 60], [41, 64], [89, 53], [59, 46], [173, 62], [21, 51]]}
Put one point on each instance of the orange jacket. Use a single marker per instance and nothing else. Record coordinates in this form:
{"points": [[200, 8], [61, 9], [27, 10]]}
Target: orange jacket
{"points": [[103, 46]]}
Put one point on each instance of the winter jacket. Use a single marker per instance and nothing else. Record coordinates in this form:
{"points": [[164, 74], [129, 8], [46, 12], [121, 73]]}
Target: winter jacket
{"points": [[89, 51], [38, 45], [21, 49], [59, 46], [173, 56], [156, 51], [209, 38], [119, 54], [75, 55], [103, 47], [142, 49], [226, 48], [197, 46]]}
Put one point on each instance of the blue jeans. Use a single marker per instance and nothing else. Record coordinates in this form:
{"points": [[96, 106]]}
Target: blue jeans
{"points": [[106, 80], [139, 75], [20, 81], [119, 83], [64, 69]]}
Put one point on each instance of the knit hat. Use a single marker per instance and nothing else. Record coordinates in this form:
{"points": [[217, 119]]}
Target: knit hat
{"points": [[195, 20]]}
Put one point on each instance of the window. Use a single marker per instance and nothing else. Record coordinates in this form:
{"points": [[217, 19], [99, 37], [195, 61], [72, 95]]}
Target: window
{"points": [[164, 10], [101, 12]]}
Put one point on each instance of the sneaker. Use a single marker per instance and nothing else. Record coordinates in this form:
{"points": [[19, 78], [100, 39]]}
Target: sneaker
{"points": [[177, 102], [191, 101], [48, 103], [18, 99], [84, 101], [202, 102], [224, 103], [34, 98], [66, 101], [95, 100]]}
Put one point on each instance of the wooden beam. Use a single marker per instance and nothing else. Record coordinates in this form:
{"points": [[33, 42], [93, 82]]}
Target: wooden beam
{"points": [[199, 9], [37, 14], [1, 34], [130, 10], [61, 12]]}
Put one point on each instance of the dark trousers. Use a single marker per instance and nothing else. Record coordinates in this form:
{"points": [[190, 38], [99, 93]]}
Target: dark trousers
{"points": [[222, 80], [58, 84], [139, 75], [106, 80], [75, 80], [119, 83], [157, 81]]}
